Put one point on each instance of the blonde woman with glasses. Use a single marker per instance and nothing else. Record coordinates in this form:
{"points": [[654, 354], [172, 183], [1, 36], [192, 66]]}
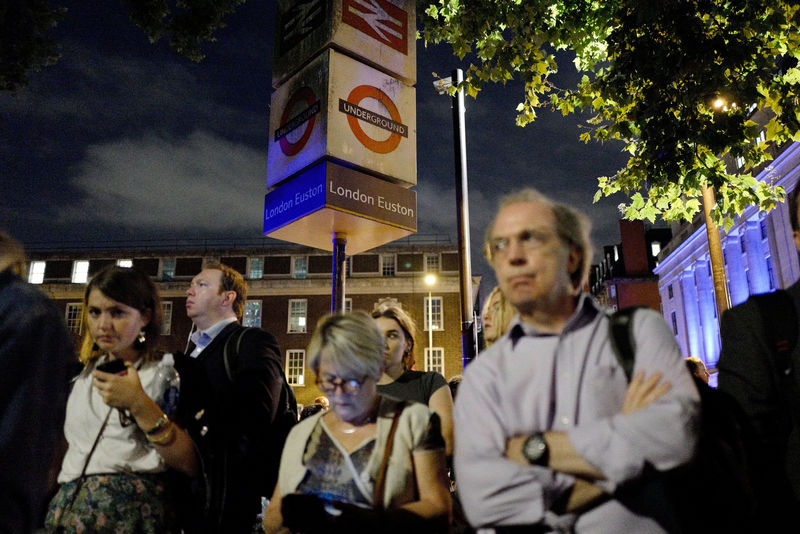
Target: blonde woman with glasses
{"points": [[370, 463]]}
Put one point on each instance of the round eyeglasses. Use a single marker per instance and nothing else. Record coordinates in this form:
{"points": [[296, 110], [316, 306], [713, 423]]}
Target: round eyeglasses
{"points": [[350, 386]]}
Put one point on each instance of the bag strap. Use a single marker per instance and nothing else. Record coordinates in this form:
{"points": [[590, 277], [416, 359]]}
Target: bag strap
{"points": [[380, 480], [226, 354], [621, 338]]}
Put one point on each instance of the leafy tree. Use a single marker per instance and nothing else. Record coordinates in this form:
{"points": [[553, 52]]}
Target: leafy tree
{"points": [[674, 81], [26, 42]]}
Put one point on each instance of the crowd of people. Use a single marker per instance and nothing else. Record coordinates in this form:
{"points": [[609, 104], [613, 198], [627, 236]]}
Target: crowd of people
{"points": [[549, 431]]}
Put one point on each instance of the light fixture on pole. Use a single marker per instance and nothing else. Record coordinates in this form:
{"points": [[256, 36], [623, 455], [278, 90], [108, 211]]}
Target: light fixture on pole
{"points": [[430, 281]]}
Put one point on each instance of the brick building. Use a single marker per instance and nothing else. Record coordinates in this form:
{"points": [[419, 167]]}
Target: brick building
{"points": [[289, 291]]}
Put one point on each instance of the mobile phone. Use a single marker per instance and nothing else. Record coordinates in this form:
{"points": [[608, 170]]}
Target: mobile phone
{"points": [[114, 367]]}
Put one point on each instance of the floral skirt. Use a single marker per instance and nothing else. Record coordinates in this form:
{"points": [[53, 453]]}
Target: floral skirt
{"points": [[114, 504]]}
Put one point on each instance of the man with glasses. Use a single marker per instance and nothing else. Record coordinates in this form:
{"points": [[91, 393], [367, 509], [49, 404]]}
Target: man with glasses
{"points": [[549, 432]]}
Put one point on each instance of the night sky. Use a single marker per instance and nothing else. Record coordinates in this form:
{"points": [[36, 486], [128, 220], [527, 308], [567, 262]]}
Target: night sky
{"points": [[126, 141]]}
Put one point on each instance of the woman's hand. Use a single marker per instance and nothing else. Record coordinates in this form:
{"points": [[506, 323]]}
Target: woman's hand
{"points": [[123, 391]]}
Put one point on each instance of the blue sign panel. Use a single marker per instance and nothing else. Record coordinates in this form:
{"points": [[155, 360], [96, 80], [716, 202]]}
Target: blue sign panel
{"points": [[300, 196]]}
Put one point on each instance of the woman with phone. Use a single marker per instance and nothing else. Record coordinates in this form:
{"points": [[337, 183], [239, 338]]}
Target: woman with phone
{"points": [[370, 463], [120, 442]]}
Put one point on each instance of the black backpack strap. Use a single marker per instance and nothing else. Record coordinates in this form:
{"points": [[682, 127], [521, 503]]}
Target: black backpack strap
{"points": [[621, 338], [231, 360]]}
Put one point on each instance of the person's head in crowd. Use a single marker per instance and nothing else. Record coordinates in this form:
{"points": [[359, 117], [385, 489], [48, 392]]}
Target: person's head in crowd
{"points": [[12, 255], [453, 384], [346, 354], [216, 293], [399, 330], [697, 368], [539, 249], [310, 410], [122, 312], [496, 316], [323, 400]]}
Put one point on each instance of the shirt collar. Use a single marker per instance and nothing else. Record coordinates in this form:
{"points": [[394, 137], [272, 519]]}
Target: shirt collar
{"points": [[585, 311], [213, 330]]}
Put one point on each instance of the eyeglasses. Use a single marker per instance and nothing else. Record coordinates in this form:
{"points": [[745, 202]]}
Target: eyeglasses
{"points": [[350, 386], [530, 239]]}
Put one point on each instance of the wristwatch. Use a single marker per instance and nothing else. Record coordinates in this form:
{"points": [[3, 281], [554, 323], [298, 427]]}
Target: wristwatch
{"points": [[535, 449]]}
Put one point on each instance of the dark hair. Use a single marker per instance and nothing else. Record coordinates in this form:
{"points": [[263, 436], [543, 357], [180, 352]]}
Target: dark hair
{"points": [[231, 280], [793, 201], [391, 309], [131, 287], [310, 410]]}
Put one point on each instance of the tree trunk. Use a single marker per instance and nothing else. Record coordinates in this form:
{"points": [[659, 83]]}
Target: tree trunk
{"points": [[721, 295]]}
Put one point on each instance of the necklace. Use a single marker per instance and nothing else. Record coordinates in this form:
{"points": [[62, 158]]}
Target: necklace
{"points": [[371, 417]]}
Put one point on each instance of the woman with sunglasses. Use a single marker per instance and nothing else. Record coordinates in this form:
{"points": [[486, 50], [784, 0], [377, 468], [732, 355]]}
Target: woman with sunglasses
{"points": [[370, 463], [120, 443]]}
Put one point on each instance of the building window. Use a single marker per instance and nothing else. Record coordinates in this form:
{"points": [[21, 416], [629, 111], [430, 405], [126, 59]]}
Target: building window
{"points": [[125, 263], [770, 273], [296, 367], [763, 226], [74, 317], [252, 313], [388, 264], [435, 307], [674, 323], [655, 248], [434, 359], [166, 318], [36, 272], [80, 272], [612, 290], [348, 305], [300, 267], [297, 316], [168, 269], [739, 162], [669, 291], [762, 137], [431, 263], [256, 268]]}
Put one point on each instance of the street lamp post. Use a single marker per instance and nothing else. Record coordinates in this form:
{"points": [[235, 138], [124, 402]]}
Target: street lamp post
{"points": [[430, 280], [469, 338]]}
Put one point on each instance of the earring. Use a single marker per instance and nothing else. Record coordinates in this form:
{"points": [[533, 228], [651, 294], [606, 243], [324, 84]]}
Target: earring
{"points": [[141, 337]]}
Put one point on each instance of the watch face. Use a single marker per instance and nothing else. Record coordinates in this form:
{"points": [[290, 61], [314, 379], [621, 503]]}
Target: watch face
{"points": [[534, 448]]}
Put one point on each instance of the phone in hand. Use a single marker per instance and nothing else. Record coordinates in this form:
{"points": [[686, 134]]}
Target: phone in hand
{"points": [[114, 367]]}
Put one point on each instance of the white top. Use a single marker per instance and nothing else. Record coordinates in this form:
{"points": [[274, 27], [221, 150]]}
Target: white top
{"points": [[121, 449]]}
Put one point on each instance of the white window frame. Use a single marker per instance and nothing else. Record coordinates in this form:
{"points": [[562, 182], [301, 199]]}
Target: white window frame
{"points": [[248, 318], [73, 317], [295, 367], [433, 263], [260, 270], [388, 264], [36, 272], [438, 314], [126, 262], [301, 325], [434, 359], [348, 305], [166, 317], [80, 271], [296, 274]]}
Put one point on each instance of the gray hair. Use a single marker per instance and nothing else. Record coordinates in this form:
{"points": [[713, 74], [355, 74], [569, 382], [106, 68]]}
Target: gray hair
{"points": [[572, 227], [353, 341]]}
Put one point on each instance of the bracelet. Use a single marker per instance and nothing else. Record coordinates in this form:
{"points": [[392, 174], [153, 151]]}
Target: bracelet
{"points": [[163, 439], [162, 421]]}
